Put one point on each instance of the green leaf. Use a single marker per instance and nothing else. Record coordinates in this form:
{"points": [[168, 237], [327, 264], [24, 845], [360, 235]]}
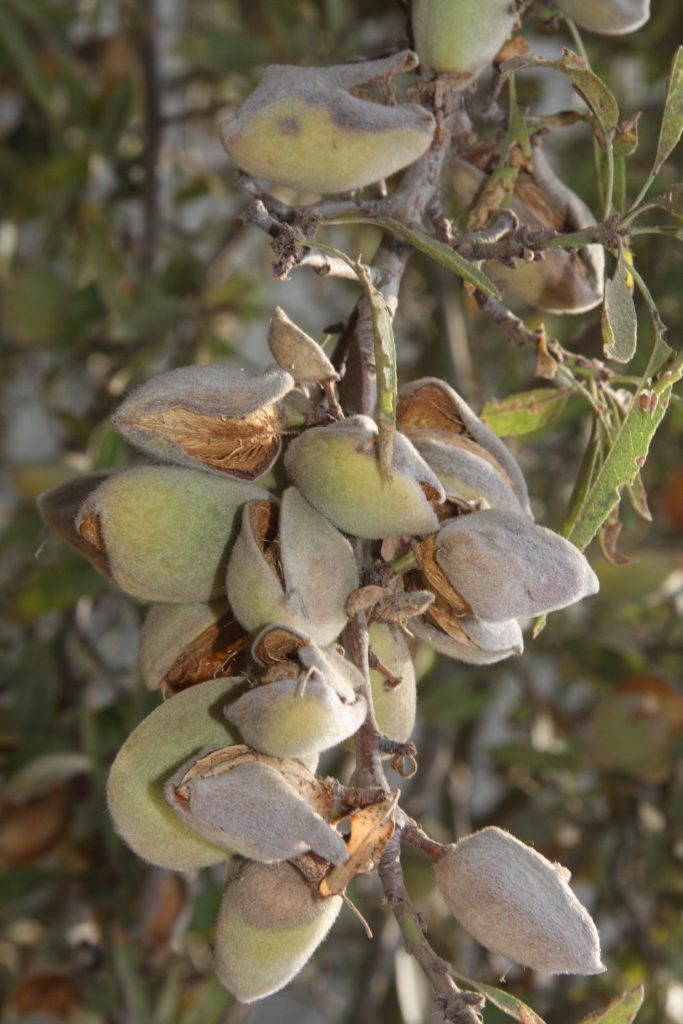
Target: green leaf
{"points": [[525, 412], [619, 321], [385, 367], [442, 254], [106, 263], [672, 119], [509, 1004], [517, 125], [671, 201], [626, 138], [23, 53], [622, 1010], [209, 1006], [591, 88], [626, 456], [619, 738], [661, 350], [637, 495], [220, 50], [592, 457], [54, 587], [432, 247], [36, 304], [385, 357]]}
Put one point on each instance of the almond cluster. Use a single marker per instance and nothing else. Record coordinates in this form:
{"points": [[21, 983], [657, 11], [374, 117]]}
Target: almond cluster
{"points": [[252, 585], [254, 561]]}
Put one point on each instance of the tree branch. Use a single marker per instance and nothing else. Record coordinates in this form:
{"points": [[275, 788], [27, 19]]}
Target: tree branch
{"points": [[153, 124], [456, 1006]]}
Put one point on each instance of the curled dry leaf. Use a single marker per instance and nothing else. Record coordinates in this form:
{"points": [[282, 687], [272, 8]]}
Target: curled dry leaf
{"points": [[217, 418], [371, 829], [32, 829], [517, 903], [37, 806], [46, 995], [165, 908]]}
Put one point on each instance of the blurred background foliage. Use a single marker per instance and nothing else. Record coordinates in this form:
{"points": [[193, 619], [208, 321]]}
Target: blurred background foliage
{"points": [[122, 255]]}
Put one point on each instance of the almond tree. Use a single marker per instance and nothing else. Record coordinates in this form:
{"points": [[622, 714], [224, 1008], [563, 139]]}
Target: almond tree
{"points": [[285, 609]]}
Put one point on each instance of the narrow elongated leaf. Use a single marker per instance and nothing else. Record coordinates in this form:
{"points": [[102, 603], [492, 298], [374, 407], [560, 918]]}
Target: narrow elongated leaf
{"points": [[385, 368], [626, 456], [509, 1004], [591, 88], [671, 201], [637, 495], [22, 52], [619, 321], [432, 247], [672, 119], [525, 412], [442, 254], [591, 461], [518, 129], [622, 1010]]}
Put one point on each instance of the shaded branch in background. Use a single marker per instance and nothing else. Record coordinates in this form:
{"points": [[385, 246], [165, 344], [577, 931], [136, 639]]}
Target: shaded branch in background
{"points": [[149, 62]]}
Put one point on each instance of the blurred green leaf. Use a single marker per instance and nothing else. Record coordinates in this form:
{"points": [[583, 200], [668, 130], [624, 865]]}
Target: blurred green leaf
{"points": [[621, 739], [637, 495], [84, 311], [130, 978], [51, 587], [509, 1004], [15, 39], [442, 254], [437, 704], [625, 458], [16, 885], [222, 51], [626, 138], [672, 119], [591, 88], [36, 686], [209, 1006], [619, 320], [385, 364], [35, 304], [622, 1010], [153, 311], [536, 760], [671, 201], [526, 411], [436, 250], [106, 262]]}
